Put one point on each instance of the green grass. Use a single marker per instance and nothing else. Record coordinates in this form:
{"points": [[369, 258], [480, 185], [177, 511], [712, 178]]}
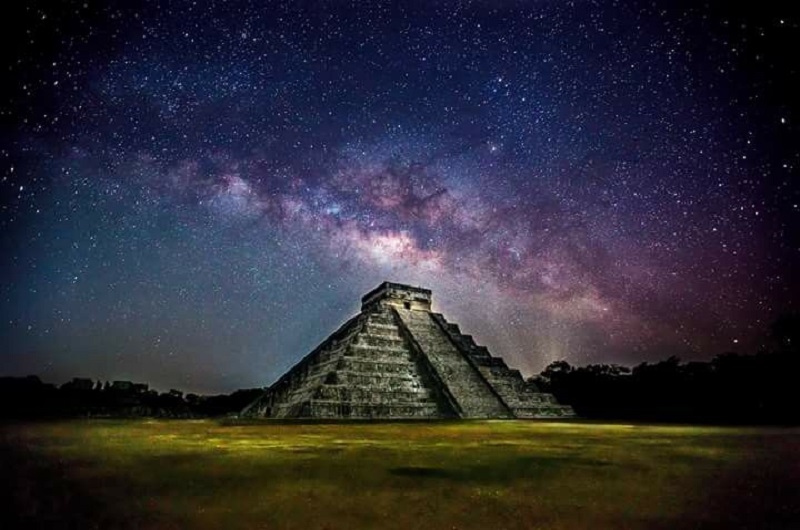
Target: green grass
{"points": [[481, 475]]}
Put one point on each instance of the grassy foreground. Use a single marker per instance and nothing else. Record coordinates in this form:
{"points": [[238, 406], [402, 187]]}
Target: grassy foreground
{"points": [[487, 474]]}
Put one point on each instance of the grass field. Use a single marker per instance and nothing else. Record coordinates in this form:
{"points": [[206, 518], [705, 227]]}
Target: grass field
{"points": [[481, 475]]}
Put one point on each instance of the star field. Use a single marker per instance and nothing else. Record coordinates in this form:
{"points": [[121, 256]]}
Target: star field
{"points": [[194, 194]]}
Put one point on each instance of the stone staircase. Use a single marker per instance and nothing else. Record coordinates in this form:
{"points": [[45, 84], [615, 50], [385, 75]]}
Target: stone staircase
{"points": [[523, 398], [471, 393]]}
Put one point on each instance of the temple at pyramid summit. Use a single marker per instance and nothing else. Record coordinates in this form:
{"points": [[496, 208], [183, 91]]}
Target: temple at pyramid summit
{"points": [[397, 359]]}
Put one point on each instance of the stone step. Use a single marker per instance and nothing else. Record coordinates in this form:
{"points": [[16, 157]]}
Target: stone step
{"points": [[377, 366], [370, 394], [382, 330], [326, 409], [380, 319], [366, 349], [388, 381], [381, 341]]}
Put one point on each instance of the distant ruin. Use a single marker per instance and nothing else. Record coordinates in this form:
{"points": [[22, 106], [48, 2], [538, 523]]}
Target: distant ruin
{"points": [[398, 359]]}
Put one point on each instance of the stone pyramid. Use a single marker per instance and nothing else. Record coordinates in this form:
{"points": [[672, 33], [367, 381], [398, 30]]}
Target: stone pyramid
{"points": [[398, 359]]}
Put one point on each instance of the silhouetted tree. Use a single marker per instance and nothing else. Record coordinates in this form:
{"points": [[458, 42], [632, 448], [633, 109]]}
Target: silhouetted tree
{"points": [[731, 388]]}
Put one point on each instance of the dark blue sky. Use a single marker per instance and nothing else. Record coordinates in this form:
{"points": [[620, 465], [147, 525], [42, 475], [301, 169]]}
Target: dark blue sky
{"points": [[195, 194]]}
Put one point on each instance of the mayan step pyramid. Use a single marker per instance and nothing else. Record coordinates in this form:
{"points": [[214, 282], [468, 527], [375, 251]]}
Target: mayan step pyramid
{"points": [[397, 359]]}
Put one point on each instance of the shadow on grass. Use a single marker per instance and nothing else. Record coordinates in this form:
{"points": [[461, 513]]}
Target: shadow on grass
{"points": [[422, 472], [38, 493], [501, 470]]}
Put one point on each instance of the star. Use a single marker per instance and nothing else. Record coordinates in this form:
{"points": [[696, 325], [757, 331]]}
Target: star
{"points": [[198, 195]]}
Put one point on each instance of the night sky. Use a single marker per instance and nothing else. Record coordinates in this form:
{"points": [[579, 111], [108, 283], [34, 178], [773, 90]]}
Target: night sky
{"points": [[195, 194]]}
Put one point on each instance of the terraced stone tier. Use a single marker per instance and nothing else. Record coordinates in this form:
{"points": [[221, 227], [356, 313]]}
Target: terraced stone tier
{"points": [[367, 371]]}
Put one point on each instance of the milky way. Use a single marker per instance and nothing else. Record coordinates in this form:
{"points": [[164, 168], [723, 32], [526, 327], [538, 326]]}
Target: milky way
{"points": [[195, 194]]}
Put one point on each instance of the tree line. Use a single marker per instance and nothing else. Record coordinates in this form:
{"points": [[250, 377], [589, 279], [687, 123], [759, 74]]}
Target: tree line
{"points": [[731, 388], [30, 398]]}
